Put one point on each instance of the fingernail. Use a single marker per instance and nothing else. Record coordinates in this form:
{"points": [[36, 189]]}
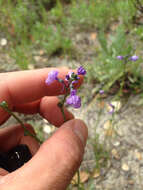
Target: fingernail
{"points": [[79, 129]]}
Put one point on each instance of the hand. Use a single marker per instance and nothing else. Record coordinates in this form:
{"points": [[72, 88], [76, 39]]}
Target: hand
{"points": [[55, 162]]}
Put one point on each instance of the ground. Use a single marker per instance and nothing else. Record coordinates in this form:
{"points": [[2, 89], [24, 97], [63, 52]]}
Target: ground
{"points": [[123, 140]]}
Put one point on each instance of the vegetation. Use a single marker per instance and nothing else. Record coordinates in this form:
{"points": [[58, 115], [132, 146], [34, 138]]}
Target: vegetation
{"points": [[52, 26]]}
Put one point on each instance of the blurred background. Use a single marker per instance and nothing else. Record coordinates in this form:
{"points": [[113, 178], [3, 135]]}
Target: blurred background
{"points": [[92, 33]]}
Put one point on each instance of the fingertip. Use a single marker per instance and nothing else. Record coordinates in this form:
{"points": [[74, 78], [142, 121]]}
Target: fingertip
{"points": [[79, 128], [49, 110]]}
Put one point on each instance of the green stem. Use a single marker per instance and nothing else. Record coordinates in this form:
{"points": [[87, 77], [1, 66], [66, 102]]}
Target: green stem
{"points": [[98, 117], [61, 106], [78, 180], [4, 106], [62, 110], [124, 76]]}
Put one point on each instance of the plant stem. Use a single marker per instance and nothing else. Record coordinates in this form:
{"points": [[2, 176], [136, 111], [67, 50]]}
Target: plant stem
{"points": [[124, 76], [4, 106], [78, 179], [62, 110], [61, 106]]}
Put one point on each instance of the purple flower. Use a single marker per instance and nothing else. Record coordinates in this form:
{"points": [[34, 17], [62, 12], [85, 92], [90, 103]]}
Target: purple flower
{"points": [[101, 91], [81, 71], [120, 57], [111, 108], [67, 78], [74, 101], [69, 75], [75, 81], [134, 58], [51, 77], [72, 77], [73, 92]]}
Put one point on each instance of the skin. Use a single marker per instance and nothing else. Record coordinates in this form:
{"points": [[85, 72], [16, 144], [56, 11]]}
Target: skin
{"points": [[54, 162]]}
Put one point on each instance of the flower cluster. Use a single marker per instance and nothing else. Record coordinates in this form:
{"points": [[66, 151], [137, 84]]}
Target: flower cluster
{"points": [[132, 58], [70, 79]]}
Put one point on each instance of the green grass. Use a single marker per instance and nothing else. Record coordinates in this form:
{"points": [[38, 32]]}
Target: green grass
{"points": [[101, 154], [107, 69], [51, 25]]}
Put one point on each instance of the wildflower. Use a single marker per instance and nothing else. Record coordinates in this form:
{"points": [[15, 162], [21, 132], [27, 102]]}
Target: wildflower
{"points": [[67, 78], [75, 81], [74, 101], [111, 108], [70, 74], [81, 71], [120, 57], [70, 79], [134, 58], [51, 77], [101, 92], [73, 92]]}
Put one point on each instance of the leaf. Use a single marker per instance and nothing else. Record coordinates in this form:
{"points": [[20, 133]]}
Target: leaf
{"points": [[131, 79], [115, 154], [93, 36], [138, 156], [84, 176], [96, 173], [107, 124], [109, 130], [103, 41]]}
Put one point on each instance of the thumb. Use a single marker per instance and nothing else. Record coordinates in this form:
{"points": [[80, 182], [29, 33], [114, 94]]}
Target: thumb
{"points": [[54, 165]]}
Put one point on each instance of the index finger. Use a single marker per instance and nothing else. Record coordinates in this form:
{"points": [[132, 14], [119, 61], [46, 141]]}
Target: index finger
{"points": [[28, 86]]}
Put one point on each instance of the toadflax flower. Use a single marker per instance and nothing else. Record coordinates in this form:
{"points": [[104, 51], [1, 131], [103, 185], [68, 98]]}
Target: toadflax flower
{"points": [[67, 78], [111, 108], [81, 71], [73, 92], [51, 77], [71, 76], [120, 57], [68, 84], [74, 101], [134, 58], [101, 92]]}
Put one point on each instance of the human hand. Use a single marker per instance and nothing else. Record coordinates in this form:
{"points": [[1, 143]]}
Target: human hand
{"points": [[55, 162]]}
